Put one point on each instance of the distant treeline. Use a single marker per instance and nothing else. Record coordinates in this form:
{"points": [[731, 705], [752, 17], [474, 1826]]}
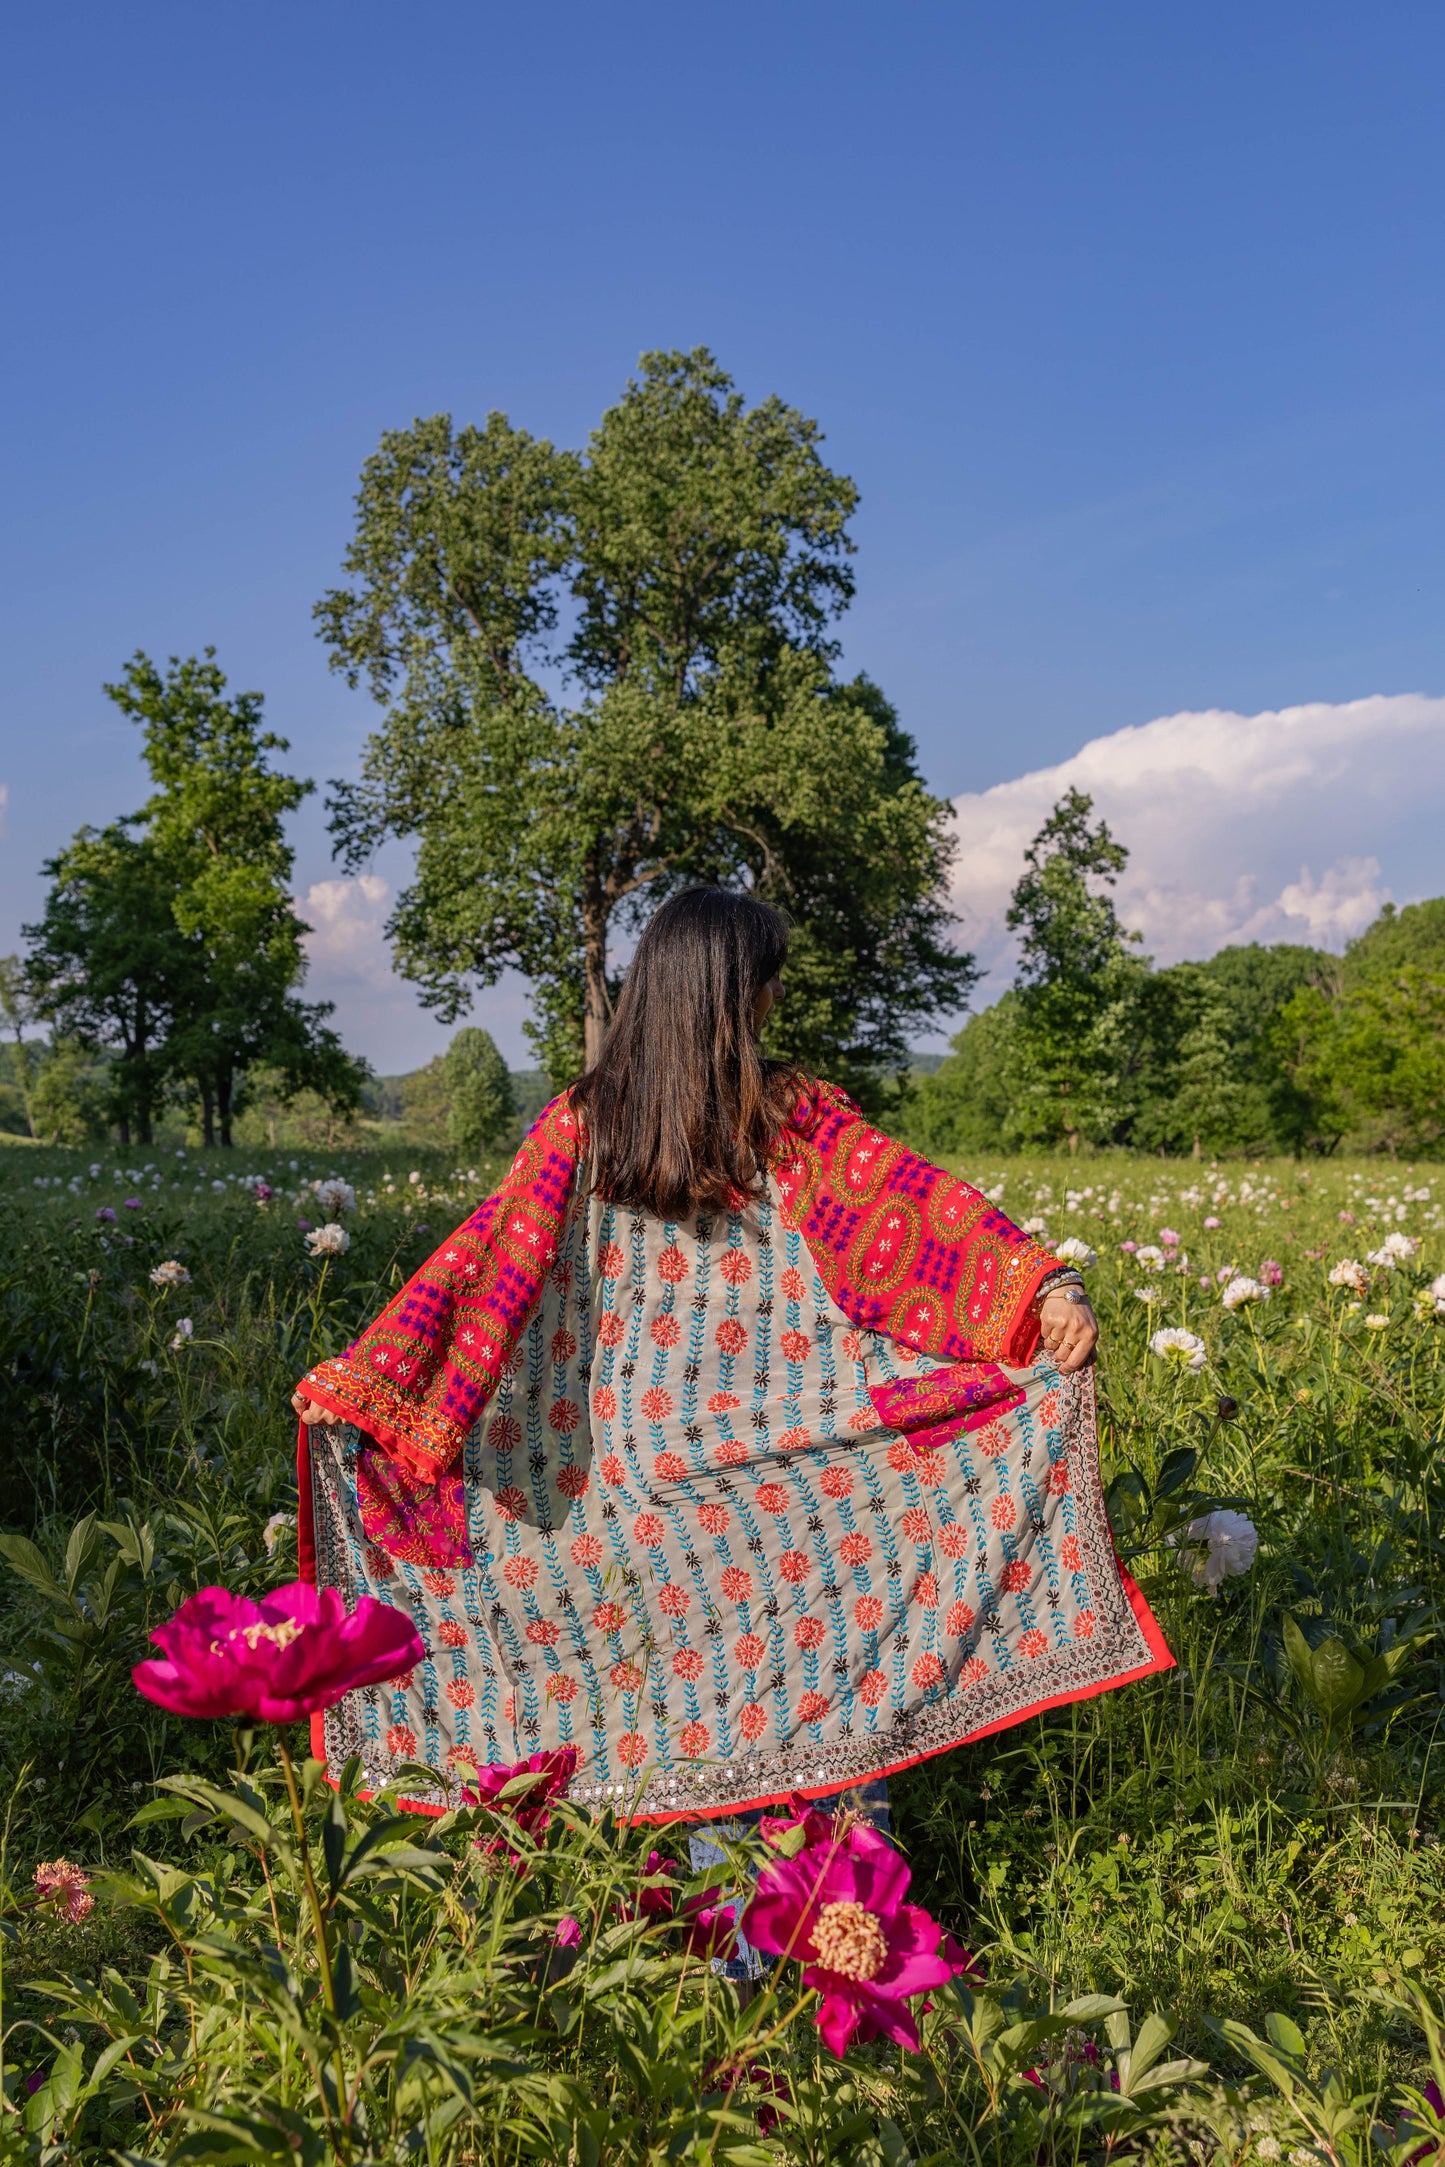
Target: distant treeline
{"points": [[1261, 1049]]}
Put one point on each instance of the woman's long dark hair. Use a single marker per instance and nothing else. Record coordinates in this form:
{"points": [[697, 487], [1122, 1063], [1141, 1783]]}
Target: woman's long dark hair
{"points": [[680, 1112]]}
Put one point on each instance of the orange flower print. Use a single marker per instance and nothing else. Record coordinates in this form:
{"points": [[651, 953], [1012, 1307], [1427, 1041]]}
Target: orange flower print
{"points": [[604, 1400], [925, 1591], [610, 1328], [793, 1566], [564, 1345], [379, 1566], [1084, 1625], [669, 1467], [856, 1548], [509, 1708], [771, 1497], [793, 1284], [520, 1572], [927, 1672], [613, 1471], [1069, 1555], [688, 1663], [1003, 1512], [795, 1345], [901, 1455], [973, 1671], [713, 1519], [795, 1440], [930, 1469], [439, 1583], [736, 1268], [1034, 1644], [993, 1441], [586, 1551], [959, 1620], [954, 1541], [1060, 1482], [1015, 1577], [868, 1611], [452, 1635], [402, 1682], [1049, 1409], [401, 1742], [865, 1418], [694, 1739], [460, 1693], [632, 1749], [672, 1266], [852, 1346], [731, 1336], [626, 1677], [561, 1689], [648, 1529], [607, 1617], [665, 1331], [871, 1688], [673, 1600], [836, 1482], [916, 1525], [751, 1650], [656, 1404], [722, 1402], [542, 1632], [573, 1481], [736, 1583], [812, 1706], [751, 1720], [609, 1260], [809, 1632], [731, 1452], [511, 1504]]}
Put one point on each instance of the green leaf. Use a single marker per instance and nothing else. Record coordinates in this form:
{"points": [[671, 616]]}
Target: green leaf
{"points": [[1337, 1680], [1176, 1470], [22, 1556]]}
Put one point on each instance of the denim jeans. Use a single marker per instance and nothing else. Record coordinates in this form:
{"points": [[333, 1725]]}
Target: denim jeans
{"points": [[871, 1799]]}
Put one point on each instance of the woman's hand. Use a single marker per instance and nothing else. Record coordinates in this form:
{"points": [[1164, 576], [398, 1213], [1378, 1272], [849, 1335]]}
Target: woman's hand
{"points": [[311, 1414], [1069, 1331]]}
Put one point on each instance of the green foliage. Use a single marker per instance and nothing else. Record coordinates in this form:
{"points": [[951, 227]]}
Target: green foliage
{"points": [[169, 937], [465, 1094], [963, 1108], [702, 547]]}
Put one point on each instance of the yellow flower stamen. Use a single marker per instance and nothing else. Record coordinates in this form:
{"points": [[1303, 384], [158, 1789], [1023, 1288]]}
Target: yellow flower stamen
{"points": [[849, 1939]]}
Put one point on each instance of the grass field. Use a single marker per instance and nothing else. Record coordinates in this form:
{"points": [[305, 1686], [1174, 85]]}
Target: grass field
{"points": [[1249, 1843]]}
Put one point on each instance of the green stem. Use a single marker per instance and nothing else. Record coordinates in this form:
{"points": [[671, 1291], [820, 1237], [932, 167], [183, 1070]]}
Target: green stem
{"points": [[318, 1917]]}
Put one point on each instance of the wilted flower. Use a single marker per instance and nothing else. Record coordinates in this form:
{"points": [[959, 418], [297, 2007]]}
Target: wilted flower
{"points": [[1218, 1546], [1180, 1347], [170, 1274], [275, 1527], [1074, 1251], [1349, 1273], [183, 1331], [335, 1197], [1240, 1292], [280, 1659], [542, 1776], [1271, 1274], [66, 1888], [838, 1908], [105, 1213], [329, 1241]]}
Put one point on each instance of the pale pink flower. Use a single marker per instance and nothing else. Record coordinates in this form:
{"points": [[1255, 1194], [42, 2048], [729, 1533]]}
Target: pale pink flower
{"points": [[66, 1888]]}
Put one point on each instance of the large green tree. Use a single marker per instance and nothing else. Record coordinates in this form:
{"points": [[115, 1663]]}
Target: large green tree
{"points": [[170, 937], [606, 674]]}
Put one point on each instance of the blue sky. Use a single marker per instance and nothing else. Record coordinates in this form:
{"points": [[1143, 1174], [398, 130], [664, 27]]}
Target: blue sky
{"points": [[1126, 320]]}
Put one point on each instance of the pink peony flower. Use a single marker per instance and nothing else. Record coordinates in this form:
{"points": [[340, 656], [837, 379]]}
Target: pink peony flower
{"points": [[1347, 1218], [262, 1192], [1271, 1274], [838, 1908], [66, 1887], [797, 1812], [1128, 1248], [567, 1934], [1211, 1223], [710, 1928], [1169, 1238], [280, 1659], [551, 1773]]}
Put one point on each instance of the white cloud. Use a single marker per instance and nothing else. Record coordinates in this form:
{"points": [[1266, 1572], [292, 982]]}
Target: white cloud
{"points": [[1293, 825], [346, 918]]}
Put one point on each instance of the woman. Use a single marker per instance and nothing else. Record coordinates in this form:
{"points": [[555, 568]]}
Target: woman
{"points": [[729, 1443]]}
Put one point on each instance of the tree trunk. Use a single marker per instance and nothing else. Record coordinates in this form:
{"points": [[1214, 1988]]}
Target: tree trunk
{"points": [[208, 1117], [597, 1008], [223, 1106], [124, 1126], [1196, 1153]]}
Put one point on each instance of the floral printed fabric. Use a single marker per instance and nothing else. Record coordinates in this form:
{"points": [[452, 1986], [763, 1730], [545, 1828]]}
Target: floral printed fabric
{"points": [[701, 1547]]}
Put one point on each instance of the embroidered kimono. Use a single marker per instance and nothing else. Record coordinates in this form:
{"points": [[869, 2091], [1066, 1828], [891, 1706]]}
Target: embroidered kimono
{"points": [[765, 1501]]}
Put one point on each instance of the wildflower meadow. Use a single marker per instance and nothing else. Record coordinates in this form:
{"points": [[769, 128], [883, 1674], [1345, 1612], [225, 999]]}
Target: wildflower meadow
{"points": [[1202, 1918]]}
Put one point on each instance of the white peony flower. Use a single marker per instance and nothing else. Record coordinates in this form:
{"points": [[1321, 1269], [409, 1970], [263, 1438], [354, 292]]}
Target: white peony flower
{"points": [[1219, 1546], [1240, 1292], [184, 1329], [1180, 1347], [1399, 1246], [328, 1241], [1150, 1257], [334, 1197], [1350, 1273], [170, 1274], [1148, 1293], [271, 1533], [1034, 1226], [1378, 1323], [1074, 1251]]}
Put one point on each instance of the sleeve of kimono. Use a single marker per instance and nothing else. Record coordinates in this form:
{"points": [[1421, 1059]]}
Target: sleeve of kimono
{"points": [[419, 1377], [904, 1247]]}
